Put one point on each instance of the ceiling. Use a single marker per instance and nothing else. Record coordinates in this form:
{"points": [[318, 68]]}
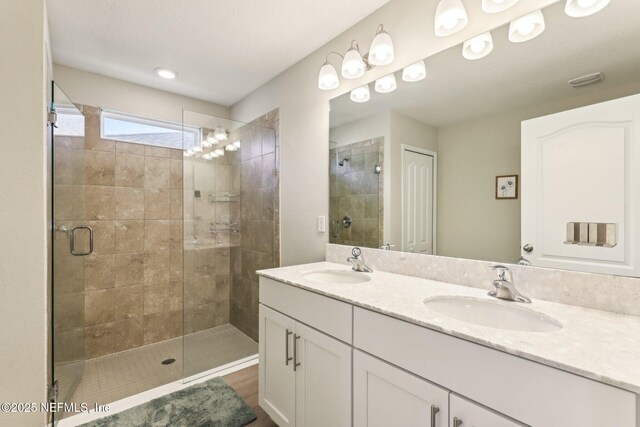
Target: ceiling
{"points": [[222, 49], [515, 75]]}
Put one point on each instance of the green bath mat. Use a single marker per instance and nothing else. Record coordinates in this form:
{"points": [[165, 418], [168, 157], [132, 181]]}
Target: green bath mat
{"points": [[212, 404]]}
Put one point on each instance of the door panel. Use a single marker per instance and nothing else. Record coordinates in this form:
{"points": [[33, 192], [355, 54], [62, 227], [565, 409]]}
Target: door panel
{"points": [[323, 380], [384, 395], [417, 200], [580, 166], [277, 378]]}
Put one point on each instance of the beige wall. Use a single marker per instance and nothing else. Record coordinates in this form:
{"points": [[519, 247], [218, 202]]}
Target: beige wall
{"points": [[112, 94], [304, 118], [23, 217]]}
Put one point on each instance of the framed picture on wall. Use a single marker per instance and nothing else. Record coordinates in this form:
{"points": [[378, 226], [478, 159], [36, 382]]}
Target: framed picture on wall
{"points": [[507, 187]]}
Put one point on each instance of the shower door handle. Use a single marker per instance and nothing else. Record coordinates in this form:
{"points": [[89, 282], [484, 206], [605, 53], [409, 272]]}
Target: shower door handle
{"points": [[72, 242]]}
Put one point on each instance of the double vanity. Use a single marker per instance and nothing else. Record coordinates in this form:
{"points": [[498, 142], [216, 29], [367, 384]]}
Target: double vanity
{"points": [[341, 348]]}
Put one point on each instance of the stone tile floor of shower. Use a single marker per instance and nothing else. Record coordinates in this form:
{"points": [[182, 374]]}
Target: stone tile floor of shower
{"points": [[114, 377]]}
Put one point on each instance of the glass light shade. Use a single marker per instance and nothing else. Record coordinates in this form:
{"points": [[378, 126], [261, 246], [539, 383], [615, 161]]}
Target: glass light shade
{"points": [[381, 51], [496, 6], [166, 73], [360, 94], [582, 8], [527, 27], [386, 84], [231, 147], [451, 17], [353, 66], [478, 47], [207, 156], [188, 153], [414, 72], [206, 143], [219, 152], [328, 77], [211, 138], [197, 149], [220, 134], [214, 155], [237, 144]]}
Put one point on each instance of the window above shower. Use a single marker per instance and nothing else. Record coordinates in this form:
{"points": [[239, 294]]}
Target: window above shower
{"points": [[138, 130]]}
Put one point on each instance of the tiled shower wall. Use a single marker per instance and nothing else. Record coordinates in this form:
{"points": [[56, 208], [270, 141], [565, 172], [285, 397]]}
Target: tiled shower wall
{"points": [[131, 195], [258, 161], [356, 191]]}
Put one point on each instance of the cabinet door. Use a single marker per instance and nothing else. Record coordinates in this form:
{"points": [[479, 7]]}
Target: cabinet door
{"points": [[465, 413], [277, 378], [384, 395], [323, 379]]}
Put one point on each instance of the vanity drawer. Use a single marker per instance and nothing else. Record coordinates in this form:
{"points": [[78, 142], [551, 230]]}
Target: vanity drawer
{"points": [[524, 390], [328, 315]]}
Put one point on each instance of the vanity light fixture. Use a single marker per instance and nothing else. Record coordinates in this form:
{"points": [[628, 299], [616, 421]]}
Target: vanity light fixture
{"points": [[214, 155], [328, 77], [207, 156], [188, 153], [386, 84], [211, 138], [354, 63], [219, 152], [582, 8], [360, 94], [230, 147], [206, 143], [381, 51], [451, 17], [478, 47], [166, 73], [414, 72], [197, 149], [237, 144], [526, 27], [220, 133], [496, 6]]}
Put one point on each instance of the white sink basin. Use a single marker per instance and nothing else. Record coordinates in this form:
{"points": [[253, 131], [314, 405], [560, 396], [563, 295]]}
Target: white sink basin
{"points": [[495, 314], [340, 277]]}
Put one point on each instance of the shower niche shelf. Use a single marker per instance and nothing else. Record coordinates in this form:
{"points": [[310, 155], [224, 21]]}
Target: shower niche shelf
{"points": [[224, 197]]}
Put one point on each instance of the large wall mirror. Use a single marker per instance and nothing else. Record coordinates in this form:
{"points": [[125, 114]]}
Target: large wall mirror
{"points": [[501, 158]]}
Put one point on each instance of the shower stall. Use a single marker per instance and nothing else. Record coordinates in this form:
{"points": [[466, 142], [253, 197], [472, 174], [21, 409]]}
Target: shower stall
{"points": [[158, 231]]}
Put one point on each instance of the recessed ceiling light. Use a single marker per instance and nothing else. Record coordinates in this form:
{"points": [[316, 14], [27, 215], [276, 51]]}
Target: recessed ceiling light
{"points": [[166, 73]]}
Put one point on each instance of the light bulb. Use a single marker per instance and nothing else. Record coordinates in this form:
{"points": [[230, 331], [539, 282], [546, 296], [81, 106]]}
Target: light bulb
{"points": [[527, 27], [478, 47], [496, 6], [582, 8], [328, 77], [414, 72], [386, 84], [451, 17], [220, 134], [361, 94], [381, 51], [353, 66]]}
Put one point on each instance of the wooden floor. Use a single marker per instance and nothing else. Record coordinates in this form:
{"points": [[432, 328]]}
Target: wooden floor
{"points": [[245, 383]]}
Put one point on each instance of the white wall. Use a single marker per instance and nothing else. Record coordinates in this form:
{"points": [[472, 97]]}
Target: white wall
{"points": [[304, 110], [108, 93], [366, 128], [23, 214]]}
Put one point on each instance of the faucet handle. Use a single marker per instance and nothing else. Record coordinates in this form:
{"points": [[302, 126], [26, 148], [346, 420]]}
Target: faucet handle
{"points": [[502, 271], [356, 252]]}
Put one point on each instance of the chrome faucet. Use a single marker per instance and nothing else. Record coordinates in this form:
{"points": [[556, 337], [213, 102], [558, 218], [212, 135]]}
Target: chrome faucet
{"points": [[357, 260], [505, 289]]}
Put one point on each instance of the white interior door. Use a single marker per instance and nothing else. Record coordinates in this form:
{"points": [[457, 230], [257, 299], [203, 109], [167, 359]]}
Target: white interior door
{"points": [[582, 166], [417, 201]]}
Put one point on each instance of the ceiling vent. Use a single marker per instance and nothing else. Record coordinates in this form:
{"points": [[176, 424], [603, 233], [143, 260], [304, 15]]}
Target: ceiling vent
{"points": [[586, 80]]}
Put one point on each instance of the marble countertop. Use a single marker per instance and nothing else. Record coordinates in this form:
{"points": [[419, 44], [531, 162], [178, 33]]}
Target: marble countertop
{"points": [[594, 344]]}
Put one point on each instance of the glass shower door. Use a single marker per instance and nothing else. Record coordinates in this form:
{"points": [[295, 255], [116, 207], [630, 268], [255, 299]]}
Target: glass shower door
{"points": [[72, 241]]}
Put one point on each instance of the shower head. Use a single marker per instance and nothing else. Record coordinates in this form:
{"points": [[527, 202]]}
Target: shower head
{"points": [[346, 159]]}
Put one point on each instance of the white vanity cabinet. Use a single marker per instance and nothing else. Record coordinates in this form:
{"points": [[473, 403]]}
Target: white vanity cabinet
{"points": [[384, 395], [464, 413], [305, 375]]}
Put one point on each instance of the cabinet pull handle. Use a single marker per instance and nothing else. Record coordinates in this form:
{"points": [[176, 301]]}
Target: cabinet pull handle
{"points": [[287, 359], [295, 352], [434, 411], [457, 422]]}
